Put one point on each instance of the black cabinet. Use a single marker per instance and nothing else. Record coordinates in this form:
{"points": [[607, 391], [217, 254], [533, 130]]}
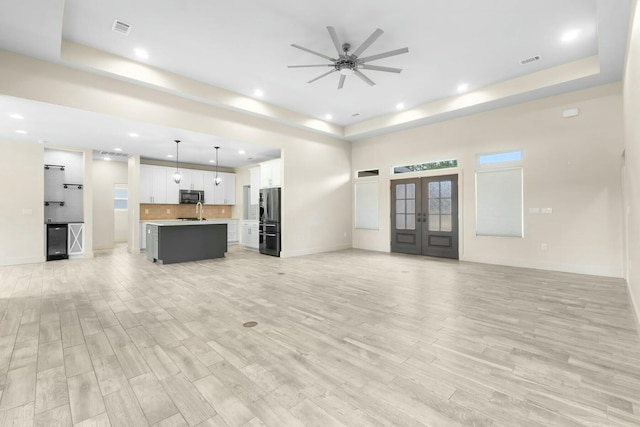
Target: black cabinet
{"points": [[57, 235]]}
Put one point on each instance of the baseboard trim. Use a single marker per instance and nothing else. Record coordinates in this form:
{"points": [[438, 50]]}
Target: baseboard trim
{"points": [[20, 261], [311, 251]]}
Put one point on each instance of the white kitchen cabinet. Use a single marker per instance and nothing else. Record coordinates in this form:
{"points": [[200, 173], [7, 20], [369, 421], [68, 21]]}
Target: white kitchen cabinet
{"points": [[153, 184], [173, 189], [192, 179], [223, 194], [232, 230], [254, 195], [209, 187], [270, 175], [250, 234]]}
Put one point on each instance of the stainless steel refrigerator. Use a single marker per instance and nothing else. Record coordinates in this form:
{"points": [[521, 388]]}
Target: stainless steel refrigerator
{"points": [[270, 221]]}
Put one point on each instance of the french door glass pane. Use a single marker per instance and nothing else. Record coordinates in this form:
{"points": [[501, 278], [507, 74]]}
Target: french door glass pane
{"points": [[411, 206], [434, 206], [411, 191], [445, 189], [400, 191], [445, 222], [445, 206], [411, 222], [434, 222], [400, 206], [400, 222], [434, 190]]}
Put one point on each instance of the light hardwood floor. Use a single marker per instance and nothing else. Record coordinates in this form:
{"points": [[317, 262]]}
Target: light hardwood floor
{"points": [[348, 338]]}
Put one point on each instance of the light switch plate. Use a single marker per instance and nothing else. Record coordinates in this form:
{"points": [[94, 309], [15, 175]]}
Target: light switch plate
{"points": [[534, 211], [547, 210]]}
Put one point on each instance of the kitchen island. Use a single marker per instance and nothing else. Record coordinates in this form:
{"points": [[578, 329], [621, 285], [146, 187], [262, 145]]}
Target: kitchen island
{"points": [[171, 242]]}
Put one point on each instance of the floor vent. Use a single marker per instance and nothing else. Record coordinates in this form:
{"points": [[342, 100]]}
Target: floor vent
{"points": [[121, 27], [530, 60]]}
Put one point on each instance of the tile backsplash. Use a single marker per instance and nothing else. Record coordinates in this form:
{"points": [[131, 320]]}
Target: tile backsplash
{"points": [[157, 211]]}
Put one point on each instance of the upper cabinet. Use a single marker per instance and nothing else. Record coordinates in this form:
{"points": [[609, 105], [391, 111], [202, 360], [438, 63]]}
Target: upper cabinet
{"points": [[270, 175], [223, 194], [157, 185], [153, 184], [192, 179]]}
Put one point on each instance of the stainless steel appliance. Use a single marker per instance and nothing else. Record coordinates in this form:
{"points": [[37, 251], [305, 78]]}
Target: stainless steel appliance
{"points": [[191, 196], [270, 221], [57, 235]]}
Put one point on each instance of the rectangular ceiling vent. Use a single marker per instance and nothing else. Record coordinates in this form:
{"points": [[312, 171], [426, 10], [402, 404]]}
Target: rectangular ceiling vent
{"points": [[112, 153], [530, 60], [121, 27]]}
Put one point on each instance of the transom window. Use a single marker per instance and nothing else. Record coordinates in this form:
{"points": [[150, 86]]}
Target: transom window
{"points": [[442, 164]]}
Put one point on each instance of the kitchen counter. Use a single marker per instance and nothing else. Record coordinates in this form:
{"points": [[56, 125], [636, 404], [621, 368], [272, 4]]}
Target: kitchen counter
{"points": [[179, 222], [180, 241]]}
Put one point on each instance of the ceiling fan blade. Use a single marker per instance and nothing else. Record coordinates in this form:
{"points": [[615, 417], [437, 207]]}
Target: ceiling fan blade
{"points": [[384, 55], [321, 76], [336, 40], [304, 66], [378, 68], [315, 53], [364, 78], [373, 37], [341, 82]]}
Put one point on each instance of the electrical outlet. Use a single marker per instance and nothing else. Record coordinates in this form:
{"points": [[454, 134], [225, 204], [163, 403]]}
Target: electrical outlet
{"points": [[146, 211], [168, 211], [27, 211], [544, 247], [222, 210]]}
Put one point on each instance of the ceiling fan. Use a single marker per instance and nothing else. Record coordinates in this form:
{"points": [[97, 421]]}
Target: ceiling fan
{"points": [[349, 62]]}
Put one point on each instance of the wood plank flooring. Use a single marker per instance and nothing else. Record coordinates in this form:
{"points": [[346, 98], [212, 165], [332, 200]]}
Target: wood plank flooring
{"points": [[349, 338]]}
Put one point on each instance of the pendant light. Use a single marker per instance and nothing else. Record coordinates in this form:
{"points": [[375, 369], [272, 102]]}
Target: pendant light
{"points": [[176, 176], [218, 180]]}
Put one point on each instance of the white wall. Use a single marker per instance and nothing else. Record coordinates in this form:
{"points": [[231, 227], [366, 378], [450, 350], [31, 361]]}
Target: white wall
{"points": [[105, 176], [632, 154], [21, 203], [571, 165]]}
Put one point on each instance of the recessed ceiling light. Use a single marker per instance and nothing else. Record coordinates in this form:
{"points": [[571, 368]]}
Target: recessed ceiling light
{"points": [[259, 93], [570, 35], [16, 116], [117, 149], [328, 117], [212, 161], [170, 155], [241, 152], [462, 87], [133, 135], [21, 132], [106, 158], [141, 53], [399, 106]]}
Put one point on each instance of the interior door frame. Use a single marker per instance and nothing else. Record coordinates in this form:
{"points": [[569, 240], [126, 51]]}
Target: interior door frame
{"points": [[434, 174]]}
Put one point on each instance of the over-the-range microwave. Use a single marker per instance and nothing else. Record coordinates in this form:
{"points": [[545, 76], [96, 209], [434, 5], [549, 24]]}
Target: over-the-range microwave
{"points": [[191, 196]]}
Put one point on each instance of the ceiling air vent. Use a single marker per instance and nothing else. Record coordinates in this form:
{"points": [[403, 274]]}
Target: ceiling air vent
{"points": [[530, 60], [121, 27], [112, 153]]}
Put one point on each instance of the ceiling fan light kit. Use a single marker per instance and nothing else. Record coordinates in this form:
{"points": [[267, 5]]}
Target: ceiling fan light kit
{"points": [[350, 62]]}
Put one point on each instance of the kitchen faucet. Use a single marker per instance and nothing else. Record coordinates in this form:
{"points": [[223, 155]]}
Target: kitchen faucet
{"points": [[199, 209]]}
